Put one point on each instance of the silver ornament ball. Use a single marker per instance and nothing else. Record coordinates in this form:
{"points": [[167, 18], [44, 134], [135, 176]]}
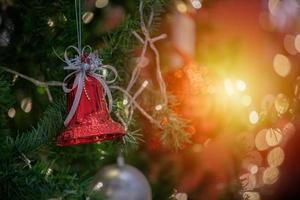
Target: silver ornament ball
{"points": [[121, 182]]}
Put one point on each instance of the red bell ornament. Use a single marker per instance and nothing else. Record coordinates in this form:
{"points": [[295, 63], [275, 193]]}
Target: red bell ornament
{"points": [[90, 121]]}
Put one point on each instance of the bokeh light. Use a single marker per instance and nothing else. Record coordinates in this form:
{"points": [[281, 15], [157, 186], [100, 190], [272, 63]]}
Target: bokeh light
{"points": [[270, 175], [260, 140], [240, 85], [196, 4], [275, 157], [289, 44], [273, 136], [101, 3], [87, 17], [281, 103], [253, 117], [11, 112], [26, 104], [297, 43], [281, 65], [181, 7]]}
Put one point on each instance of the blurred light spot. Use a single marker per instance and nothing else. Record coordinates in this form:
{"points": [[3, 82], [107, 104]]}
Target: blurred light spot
{"points": [[11, 112], [253, 169], [281, 103], [273, 6], [246, 100], [181, 7], [297, 43], [196, 4], [260, 140], [270, 175], [50, 23], [87, 17], [281, 65], [158, 107], [275, 157], [125, 102], [289, 44], [253, 117], [228, 87], [251, 196], [273, 136], [26, 104], [101, 3], [49, 172], [98, 186], [240, 85]]}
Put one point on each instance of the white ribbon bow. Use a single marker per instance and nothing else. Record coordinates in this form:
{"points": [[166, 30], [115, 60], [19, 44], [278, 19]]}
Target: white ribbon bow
{"points": [[81, 69]]}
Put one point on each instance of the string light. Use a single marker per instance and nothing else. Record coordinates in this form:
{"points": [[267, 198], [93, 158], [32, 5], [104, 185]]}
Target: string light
{"points": [[281, 103], [253, 117]]}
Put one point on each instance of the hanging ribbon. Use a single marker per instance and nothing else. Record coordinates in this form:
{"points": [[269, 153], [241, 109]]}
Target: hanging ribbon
{"points": [[86, 63]]}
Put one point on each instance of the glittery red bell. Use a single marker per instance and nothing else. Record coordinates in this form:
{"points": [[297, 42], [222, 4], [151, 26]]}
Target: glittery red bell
{"points": [[91, 121]]}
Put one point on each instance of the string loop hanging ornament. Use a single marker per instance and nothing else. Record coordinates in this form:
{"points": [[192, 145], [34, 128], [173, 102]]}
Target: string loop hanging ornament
{"points": [[88, 118], [85, 63]]}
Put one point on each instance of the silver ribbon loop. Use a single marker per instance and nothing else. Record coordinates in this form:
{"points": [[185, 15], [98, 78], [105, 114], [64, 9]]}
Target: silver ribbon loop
{"points": [[85, 63]]}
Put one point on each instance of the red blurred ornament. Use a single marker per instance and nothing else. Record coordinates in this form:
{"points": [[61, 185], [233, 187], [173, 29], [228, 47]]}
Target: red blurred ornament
{"points": [[91, 121]]}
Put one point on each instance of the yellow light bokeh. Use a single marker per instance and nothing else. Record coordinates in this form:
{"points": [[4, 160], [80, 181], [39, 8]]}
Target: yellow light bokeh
{"points": [[240, 85], [253, 117], [181, 7]]}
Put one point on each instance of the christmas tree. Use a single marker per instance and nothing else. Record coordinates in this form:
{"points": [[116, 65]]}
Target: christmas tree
{"points": [[149, 99]]}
